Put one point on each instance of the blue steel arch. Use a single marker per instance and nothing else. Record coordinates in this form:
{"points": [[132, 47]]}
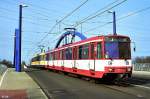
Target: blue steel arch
{"points": [[73, 33]]}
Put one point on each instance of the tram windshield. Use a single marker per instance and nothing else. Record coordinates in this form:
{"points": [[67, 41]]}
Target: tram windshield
{"points": [[117, 48]]}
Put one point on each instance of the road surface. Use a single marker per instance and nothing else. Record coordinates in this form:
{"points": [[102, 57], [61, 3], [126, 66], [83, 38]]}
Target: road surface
{"points": [[60, 86]]}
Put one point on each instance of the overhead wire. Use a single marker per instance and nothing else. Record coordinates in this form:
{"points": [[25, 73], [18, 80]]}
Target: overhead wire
{"points": [[121, 18], [9, 18], [89, 18], [34, 11], [24, 18], [41, 25], [15, 19], [42, 8], [136, 12], [69, 14], [99, 10], [8, 10]]}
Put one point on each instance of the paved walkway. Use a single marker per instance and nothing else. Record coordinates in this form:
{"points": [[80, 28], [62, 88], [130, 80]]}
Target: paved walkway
{"points": [[19, 83], [142, 74]]}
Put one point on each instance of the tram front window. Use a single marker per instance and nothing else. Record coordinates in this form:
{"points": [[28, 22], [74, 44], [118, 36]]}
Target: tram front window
{"points": [[117, 49], [124, 50]]}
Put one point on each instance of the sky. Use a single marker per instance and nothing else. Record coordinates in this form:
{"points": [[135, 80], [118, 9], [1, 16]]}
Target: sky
{"points": [[41, 15]]}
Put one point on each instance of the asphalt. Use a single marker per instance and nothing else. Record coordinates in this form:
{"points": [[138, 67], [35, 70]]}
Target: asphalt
{"points": [[140, 79], [60, 86], [44, 84], [19, 85], [141, 74]]}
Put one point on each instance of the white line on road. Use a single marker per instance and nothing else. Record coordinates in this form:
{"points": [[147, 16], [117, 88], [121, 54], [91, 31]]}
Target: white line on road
{"points": [[3, 78], [141, 86]]}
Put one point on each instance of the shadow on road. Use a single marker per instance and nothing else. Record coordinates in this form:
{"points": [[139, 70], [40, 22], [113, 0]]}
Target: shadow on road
{"points": [[123, 83]]}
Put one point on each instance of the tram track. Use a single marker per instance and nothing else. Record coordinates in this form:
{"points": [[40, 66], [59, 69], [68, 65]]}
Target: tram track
{"points": [[123, 85], [69, 86], [118, 85]]}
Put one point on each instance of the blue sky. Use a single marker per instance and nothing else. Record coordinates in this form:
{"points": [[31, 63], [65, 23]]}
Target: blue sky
{"points": [[41, 15]]}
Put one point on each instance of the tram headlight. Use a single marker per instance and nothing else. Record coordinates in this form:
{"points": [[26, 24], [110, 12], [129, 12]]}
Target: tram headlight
{"points": [[110, 69], [109, 62], [129, 69], [127, 62]]}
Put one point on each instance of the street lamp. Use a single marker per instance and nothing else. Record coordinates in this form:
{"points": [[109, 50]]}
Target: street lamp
{"points": [[18, 66], [114, 22]]}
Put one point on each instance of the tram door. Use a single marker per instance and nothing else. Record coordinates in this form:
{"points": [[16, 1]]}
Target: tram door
{"points": [[74, 57], [92, 57], [53, 59], [62, 58]]}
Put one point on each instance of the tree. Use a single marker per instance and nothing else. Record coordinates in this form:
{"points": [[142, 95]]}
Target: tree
{"points": [[145, 59], [7, 63], [23, 63]]}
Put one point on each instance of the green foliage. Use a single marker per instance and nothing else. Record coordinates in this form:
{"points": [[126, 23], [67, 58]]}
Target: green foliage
{"points": [[7, 63], [23, 63], [145, 59]]}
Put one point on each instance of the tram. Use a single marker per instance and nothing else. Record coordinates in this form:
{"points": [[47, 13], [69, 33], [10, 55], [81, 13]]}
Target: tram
{"points": [[106, 56]]}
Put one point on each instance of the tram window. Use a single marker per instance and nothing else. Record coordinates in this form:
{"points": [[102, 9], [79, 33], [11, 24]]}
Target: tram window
{"points": [[35, 58], [32, 60], [38, 58], [74, 53], [51, 56], [68, 53], [47, 56], [85, 53], [80, 52], [92, 51], [63, 57], [43, 57], [61, 54], [99, 50], [56, 55], [124, 50]]}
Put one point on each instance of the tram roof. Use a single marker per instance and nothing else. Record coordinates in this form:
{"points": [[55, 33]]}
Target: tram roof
{"points": [[91, 39]]}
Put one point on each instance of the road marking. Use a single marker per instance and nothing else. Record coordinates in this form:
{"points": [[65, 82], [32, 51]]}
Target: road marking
{"points": [[141, 86], [3, 77], [140, 96]]}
